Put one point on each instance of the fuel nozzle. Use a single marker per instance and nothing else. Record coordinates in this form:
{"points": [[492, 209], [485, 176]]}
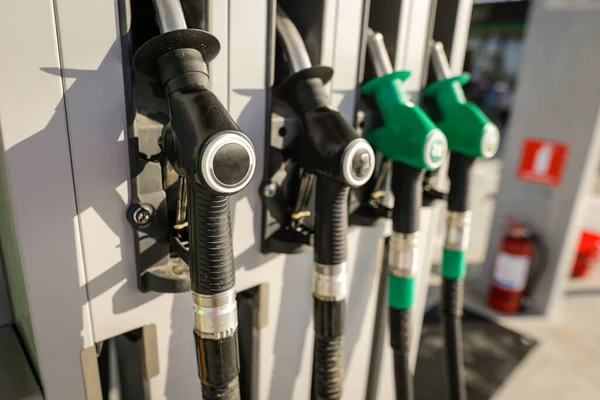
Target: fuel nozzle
{"points": [[201, 140], [206, 147], [468, 129], [407, 135], [333, 151], [411, 140], [329, 145], [470, 135]]}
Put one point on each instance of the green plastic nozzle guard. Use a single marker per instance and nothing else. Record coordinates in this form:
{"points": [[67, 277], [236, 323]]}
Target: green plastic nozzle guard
{"points": [[468, 129], [454, 264], [408, 135], [401, 292]]}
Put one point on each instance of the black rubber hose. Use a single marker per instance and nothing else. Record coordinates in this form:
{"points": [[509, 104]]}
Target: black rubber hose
{"points": [[211, 252], [400, 334], [219, 367], [230, 392], [451, 314], [407, 187], [331, 227], [459, 172], [408, 198], [331, 222], [328, 361], [212, 272], [451, 304], [378, 329]]}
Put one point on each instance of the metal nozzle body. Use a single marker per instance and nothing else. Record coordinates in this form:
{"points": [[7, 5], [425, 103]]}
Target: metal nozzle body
{"points": [[378, 53], [439, 60], [169, 15], [294, 47]]}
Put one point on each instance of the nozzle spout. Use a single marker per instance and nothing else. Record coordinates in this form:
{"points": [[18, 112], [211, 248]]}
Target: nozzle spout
{"points": [[378, 53], [169, 15], [293, 45], [439, 60]]}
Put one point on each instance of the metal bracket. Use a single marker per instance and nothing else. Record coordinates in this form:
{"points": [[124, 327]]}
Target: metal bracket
{"points": [[365, 208], [430, 193], [281, 190], [153, 183], [149, 216]]}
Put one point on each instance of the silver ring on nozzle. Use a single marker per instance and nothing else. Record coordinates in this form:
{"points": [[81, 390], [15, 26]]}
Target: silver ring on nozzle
{"points": [[358, 162], [403, 254], [329, 282], [458, 230], [208, 157], [215, 316], [435, 151]]}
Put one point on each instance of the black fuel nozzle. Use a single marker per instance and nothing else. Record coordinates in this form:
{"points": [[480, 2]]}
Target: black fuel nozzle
{"points": [[329, 146], [201, 141], [206, 147], [331, 149]]}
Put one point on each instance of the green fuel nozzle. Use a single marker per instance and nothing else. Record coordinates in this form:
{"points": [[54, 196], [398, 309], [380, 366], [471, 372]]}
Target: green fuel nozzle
{"points": [[410, 139], [468, 129], [470, 135], [408, 135]]}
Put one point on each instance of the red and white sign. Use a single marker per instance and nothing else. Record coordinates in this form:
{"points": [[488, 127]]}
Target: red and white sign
{"points": [[542, 161]]}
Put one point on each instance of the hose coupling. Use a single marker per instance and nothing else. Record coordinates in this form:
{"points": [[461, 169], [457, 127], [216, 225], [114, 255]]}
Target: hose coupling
{"points": [[215, 316], [329, 282], [458, 230], [403, 254]]}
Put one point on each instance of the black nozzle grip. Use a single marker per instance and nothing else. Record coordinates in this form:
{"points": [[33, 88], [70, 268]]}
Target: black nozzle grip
{"points": [[408, 197], [331, 222], [211, 252], [459, 172]]}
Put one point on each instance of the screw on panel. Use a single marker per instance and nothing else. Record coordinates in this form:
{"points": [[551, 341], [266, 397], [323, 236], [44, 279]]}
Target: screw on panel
{"points": [[141, 215], [270, 190]]}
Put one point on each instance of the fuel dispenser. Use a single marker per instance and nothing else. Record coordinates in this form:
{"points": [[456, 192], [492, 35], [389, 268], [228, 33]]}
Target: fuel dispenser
{"points": [[412, 142], [470, 135], [118, 285], [215, 159]]}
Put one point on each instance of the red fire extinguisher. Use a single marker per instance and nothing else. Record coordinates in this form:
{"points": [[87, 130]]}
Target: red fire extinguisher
{"points": [[514, 272]]}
